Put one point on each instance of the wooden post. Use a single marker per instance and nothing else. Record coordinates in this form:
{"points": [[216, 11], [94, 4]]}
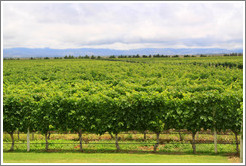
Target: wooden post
{"points": [[215, 141], [180, 136], [80, 141], [13, 141], [237, 148], [28, 140], [193, 142], [215, 133], [241, 144], [157, 141], [18, 135], [145, 135], [46, 140], [116, 142]]}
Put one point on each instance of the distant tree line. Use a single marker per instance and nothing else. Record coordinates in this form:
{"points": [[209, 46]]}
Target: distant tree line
{"points": [[234, 54], [125, 56]]}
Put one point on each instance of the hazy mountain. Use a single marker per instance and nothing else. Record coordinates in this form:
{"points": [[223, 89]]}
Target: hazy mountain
{"points": [[47, 52]]}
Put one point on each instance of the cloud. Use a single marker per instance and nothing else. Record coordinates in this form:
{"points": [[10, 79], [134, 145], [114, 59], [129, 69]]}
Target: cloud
{"points": [[123, 25]]}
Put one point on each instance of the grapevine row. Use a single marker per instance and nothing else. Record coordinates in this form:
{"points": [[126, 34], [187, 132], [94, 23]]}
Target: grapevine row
{"points": [[112, 96]]}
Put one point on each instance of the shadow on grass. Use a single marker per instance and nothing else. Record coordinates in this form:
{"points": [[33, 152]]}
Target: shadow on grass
{"points": [[121, 151]]}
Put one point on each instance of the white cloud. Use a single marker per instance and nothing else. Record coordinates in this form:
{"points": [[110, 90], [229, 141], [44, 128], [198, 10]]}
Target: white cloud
{"points": [[123, 25]]}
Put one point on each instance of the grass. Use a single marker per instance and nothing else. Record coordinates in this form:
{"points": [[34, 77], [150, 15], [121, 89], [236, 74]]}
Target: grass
{"points": [[126, 146], [32, 157]]}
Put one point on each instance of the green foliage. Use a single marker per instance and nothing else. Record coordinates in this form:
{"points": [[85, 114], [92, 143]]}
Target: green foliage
{"points": [[101, 96]]}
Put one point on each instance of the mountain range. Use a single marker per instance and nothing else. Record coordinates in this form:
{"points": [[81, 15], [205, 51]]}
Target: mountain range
{"points": [[48, 52]]}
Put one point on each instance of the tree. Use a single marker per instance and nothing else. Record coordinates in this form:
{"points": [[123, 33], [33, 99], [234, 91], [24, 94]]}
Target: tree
{"points": [[197, 119], [232, 114], [28, 105], [45, 116], [115, 118], [79, 117], [11, 115], [112, 56], [157, 112]]}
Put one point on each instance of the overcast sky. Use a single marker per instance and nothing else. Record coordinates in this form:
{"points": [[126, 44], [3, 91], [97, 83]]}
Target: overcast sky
{"points": [[123, 25]]}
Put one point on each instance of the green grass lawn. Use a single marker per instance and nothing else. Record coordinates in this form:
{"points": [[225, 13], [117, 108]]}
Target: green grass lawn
{"points": [[32, 157]]}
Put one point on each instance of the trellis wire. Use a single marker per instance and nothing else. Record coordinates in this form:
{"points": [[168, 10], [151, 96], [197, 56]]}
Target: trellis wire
{"points": [[139, 133], [132, 143]]}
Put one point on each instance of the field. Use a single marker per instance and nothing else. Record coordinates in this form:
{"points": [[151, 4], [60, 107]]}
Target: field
{"points": [[111, 158], [93, 98]]}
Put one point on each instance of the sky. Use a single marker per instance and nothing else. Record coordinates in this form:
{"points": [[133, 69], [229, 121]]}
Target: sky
{"points": [[123, 25]]}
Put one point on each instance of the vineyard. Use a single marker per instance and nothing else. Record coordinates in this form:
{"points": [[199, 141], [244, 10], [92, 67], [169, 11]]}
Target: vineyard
{"points": [[98, 96]]}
